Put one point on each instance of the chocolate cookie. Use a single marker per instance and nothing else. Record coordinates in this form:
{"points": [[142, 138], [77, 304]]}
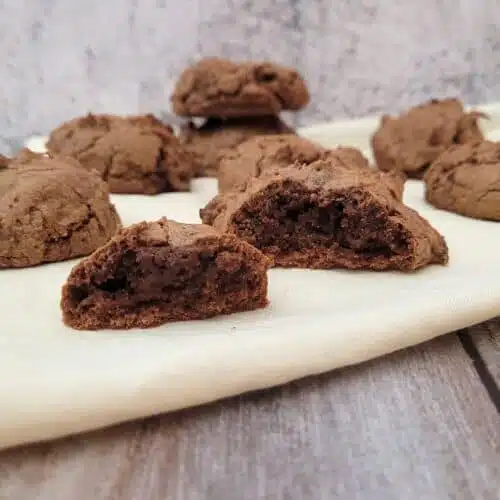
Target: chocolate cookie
{"points": [[137, 154], [255, 155], [51, 209], [155, 272], [81, 131], [209, 142], [216, 87], [326, 215], [4, 161], [413, 140], [259, 154], [395, 181], [466, 180]]}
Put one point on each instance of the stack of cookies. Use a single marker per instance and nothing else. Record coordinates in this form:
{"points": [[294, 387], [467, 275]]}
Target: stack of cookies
{"points": [[236, 101]]}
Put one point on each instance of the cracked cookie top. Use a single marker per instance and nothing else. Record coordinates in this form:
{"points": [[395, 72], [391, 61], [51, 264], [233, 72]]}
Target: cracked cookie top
{"points": [[51, 209], [413, 140], [216, 87], [136, 154], [250, 158], [258, 154], [466, 180]]}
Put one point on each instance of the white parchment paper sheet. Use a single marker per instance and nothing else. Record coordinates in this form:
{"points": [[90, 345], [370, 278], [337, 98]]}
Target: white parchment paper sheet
{"points": [[55, 381]]}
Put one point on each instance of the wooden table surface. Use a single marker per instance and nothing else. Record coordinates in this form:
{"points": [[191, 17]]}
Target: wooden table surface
{"points": [[418, 424]]}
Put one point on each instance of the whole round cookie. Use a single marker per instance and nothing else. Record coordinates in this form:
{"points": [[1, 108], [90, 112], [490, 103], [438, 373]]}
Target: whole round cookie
{"points": [[216, 87], [466, 180], [136, 154], [78, 133], [209, 142], [413, 140], [51, 209]]}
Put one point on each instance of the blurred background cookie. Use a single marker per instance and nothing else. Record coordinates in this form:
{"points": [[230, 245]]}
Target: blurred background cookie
{"points": [[210, 141], [137, 154], [260, 153], [216, 87], [466, 180], [413, 140]]}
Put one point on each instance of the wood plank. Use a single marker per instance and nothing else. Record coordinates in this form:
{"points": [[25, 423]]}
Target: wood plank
{"points": [[416, 424], [486, 339]]}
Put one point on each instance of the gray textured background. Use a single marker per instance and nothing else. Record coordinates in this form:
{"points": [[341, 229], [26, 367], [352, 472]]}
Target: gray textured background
{"points": [[65, 57]]}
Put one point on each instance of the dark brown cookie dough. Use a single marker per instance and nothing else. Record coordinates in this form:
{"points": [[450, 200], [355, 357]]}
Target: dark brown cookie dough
{"points": [[51, 209], [154, 272], [327, 215], [466, 180], [209, 142], [413, 140], [136, 154], [216, 87]]}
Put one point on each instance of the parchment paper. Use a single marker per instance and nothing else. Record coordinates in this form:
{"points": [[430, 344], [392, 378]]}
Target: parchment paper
{"points": [[55, 381]]}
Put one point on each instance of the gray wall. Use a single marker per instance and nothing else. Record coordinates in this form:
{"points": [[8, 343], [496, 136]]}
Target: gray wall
{"points": [[64, 57]]}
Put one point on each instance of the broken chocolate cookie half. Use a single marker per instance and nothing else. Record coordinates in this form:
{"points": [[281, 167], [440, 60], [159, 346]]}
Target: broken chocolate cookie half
{"points": [[155, 272], [328, 214]]}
